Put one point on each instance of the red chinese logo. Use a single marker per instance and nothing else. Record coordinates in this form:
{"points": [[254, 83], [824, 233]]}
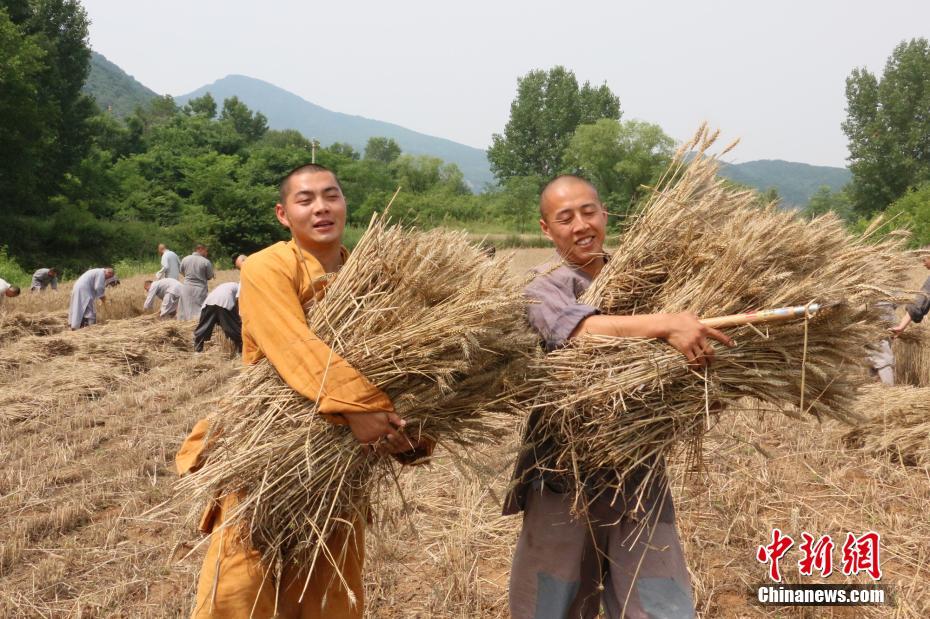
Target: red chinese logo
{"points": [[817, 555], [861, 554], [774, 552]]}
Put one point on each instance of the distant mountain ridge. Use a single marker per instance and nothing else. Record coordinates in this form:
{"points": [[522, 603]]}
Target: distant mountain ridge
{"points": [[113, 88], [286, 110], [795, 182]]}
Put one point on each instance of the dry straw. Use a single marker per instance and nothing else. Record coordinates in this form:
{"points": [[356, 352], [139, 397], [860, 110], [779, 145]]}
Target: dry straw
{"points": [[426, 317], [898, 424], [75, 366], [912, 357], [613, 407]]}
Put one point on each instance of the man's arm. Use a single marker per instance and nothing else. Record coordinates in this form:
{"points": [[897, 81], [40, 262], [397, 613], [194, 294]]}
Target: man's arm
{"points": [[54, 283], [149, 299], [683, 331], [164, 267], [100, 285]]}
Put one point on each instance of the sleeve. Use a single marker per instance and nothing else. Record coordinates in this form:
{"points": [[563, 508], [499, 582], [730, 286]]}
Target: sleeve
{"points": [[100, 284], [164, 266], [272, 313], [150, 298], [182, 268], [210, 273], [921, 305], [555, 312], [54, 283]]}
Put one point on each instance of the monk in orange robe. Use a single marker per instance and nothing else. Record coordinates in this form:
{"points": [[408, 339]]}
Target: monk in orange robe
{"points": [[277, 286]]}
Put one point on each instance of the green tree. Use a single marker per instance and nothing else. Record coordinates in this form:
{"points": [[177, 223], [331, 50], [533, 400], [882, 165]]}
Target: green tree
{"points": [[619, 158], [826, 200], [385, 150], [203, 106], [912, 211], [548, 107], [22, 125], [344, 149], [250, 125], [421, 173], [888, 126]]}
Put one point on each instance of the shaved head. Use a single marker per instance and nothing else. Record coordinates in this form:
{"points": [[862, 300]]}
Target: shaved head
{"points": [[559, 185]]}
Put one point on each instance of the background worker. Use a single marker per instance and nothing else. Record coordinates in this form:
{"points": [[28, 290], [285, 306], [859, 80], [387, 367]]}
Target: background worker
{"points": [[90, 286], [44, 278], [197, 270], [168, 290], [170, 264], [7, 290]]}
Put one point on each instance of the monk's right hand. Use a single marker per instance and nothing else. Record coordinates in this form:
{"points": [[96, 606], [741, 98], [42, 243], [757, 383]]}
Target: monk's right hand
{"points": [[689, 336], [383, 431]]}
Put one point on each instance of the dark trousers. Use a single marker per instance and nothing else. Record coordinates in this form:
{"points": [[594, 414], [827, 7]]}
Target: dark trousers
{"points": [[229, 322]]}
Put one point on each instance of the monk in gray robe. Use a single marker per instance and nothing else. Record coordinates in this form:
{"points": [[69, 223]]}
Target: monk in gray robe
{"points": [[44, 278], [87, 289], [197, 270], [9, 290], [170, 264], [169, 291]]}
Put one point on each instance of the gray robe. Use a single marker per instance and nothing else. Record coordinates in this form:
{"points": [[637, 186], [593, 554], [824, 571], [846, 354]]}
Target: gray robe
{"points": [[170, 266], [225, 296], [87, 289], [41, 279], [169, 291], [196, 271]]}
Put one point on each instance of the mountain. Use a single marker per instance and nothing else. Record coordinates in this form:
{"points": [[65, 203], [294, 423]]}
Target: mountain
{"points": [[112, 87], [795, 182], [286, 110]]}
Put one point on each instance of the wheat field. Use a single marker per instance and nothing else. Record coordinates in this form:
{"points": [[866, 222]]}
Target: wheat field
{"points": [[90, 421]]}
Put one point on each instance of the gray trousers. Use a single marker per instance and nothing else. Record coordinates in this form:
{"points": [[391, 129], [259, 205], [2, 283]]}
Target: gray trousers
{"points": [[567, 568], [881, 358]]}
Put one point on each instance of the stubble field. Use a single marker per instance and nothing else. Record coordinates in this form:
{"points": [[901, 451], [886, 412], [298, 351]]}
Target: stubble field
{"points": [[90, 422]]}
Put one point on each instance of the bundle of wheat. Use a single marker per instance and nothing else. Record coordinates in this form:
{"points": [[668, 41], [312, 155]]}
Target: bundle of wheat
{"points": [[897, 423], [427, 318], [912, 357], [700, 245]]}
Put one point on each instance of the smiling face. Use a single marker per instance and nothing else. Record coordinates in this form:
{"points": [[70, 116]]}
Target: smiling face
{"points": [[575, 220], [314, 210]]}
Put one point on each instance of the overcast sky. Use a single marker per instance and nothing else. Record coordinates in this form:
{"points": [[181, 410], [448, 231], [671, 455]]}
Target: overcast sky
{"points": [[770, 73]]}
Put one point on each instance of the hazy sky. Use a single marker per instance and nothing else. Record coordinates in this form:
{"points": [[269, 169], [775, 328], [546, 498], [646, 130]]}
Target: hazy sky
{"points": [[771, 73]]}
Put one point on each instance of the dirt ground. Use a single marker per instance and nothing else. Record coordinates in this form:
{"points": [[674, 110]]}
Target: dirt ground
{"points": [[89, 424]]}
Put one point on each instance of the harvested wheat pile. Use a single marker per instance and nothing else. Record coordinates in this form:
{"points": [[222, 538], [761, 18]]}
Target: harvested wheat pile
{"points": [[426, 317], [613, 405], [82, 365], [898, 424], [16, 325], [912, 357], [119, 342]]}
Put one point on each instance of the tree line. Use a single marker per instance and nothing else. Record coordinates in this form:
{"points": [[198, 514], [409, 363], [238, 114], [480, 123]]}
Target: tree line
{"points": [[79, 187]]}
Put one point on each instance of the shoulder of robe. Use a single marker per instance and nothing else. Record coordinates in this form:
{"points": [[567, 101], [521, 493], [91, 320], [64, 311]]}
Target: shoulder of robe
{"points": [[275, 259]]}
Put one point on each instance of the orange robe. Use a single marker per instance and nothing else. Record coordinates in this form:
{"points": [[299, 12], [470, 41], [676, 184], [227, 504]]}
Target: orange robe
{"points": [[277, 286]]}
